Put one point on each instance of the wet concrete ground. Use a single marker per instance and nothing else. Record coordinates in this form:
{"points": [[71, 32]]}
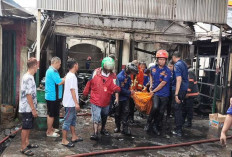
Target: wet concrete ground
{"points": [[51, 147]]}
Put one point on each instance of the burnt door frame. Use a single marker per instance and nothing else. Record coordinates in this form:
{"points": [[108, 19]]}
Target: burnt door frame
{"points": [[9, 67]]}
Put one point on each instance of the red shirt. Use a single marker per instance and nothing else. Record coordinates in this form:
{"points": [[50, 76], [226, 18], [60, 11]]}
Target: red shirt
{"points": [[101, 88]]}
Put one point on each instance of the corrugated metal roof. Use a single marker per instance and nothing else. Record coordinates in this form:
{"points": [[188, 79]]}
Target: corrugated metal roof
{"points": [[9, 8], [209, 11]]}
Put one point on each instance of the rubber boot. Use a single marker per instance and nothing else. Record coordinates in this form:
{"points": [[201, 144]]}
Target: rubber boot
{"points": [[155, 130], [126, 130], [117, 129], [178, 132], [103, 130], [188, 124], [147, 127], [94, 137]]}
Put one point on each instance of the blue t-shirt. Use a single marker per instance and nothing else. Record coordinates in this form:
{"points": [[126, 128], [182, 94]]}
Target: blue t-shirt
{"points": [[180, 69], [52, 78], [159, 75], [229, 111]]}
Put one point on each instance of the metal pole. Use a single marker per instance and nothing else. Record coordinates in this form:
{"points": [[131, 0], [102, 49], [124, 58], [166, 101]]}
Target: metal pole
{"points": [[38, 44], [197, 64], [225, 93], [217, 69], [1, 60], [126, 49]]}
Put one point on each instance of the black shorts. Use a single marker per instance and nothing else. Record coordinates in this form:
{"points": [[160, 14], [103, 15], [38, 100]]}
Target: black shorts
{"points": [[53, 108], [27, 120]]}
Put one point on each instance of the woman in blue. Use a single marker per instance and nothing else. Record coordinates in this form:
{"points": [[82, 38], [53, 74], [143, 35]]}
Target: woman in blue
{"points": [[160, 89]]}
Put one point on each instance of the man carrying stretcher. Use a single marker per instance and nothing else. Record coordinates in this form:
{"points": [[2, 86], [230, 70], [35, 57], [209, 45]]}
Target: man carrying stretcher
{"points": [[160, 89]]}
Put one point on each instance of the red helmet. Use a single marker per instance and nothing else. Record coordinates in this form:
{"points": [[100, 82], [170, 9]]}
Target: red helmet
{"points": [[162, 54]]}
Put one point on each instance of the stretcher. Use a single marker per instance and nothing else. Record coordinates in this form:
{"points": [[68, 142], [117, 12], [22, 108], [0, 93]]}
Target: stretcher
{"points": [[143, 101]]}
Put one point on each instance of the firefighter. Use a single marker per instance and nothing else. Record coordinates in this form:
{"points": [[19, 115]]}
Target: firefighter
{"points": [[101, 86], [137, 80], [160, 89], [122, 110], [179, 90], [192, 93], [136, 85]]}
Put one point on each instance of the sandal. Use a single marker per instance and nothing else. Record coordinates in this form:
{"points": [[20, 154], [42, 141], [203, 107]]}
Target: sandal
{"points": [[56, 130], [53, 135], [27, 152], [78, 140], [70, 144], [32, 146]]}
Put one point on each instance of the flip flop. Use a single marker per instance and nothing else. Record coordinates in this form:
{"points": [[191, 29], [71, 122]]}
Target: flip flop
{"points": [[69, 145], [53, 135], [32, 146], [56, 130], [78, 140], [27, 152]]}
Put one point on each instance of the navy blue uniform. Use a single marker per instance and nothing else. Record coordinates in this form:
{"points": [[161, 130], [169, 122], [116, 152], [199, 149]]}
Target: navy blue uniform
{"points": [[169, 106], [159, 75], [124, 84], [191, 94], [161, 97], [122, 110], [180, 69]]}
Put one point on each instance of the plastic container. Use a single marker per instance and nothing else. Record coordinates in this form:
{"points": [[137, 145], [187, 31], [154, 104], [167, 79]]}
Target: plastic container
{"points": [[41, 123], [41, 96], [42, 109]]}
